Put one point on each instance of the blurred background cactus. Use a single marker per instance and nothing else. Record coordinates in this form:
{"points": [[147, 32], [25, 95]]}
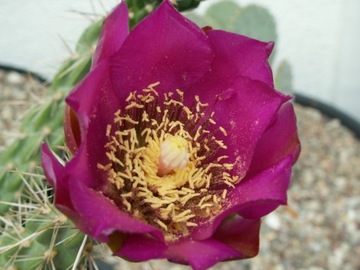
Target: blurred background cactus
{"points": [[33, 233]]}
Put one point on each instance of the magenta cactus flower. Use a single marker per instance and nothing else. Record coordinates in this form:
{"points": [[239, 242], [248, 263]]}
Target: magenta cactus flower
{"points": [[180, 143]]}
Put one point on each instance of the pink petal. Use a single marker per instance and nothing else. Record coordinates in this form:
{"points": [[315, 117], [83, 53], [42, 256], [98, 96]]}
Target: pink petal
{"points": [[94, 97], [280, 140], [164, 47], [240, 234], [234, 234], [140, 248], [113, 34], [200, 254], [94, 102], [252, 198], [55, 174], [235, 55], [244, 110], [71, 129], [269, 187], [238, 55], [101, 217]]}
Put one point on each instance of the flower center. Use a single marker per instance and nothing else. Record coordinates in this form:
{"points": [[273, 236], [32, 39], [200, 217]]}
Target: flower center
{"points": [[174, 154], [163, 166]]}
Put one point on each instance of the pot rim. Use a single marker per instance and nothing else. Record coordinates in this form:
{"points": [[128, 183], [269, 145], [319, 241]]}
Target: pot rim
{"points": [[23, 71], [330, 111]]}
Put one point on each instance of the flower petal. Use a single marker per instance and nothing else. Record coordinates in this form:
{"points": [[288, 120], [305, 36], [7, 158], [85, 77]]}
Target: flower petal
{"points": [[71, 129], [235, 232], [94, 102], [94, 98], [101, 217], [280, 140], [244, 110], [240, 234], [113, 33], [266, 188], [164, 47], [83, 168], [252, 198], [140, 248], [235, 56], [55, 174], [241, 55], [200, 254]]}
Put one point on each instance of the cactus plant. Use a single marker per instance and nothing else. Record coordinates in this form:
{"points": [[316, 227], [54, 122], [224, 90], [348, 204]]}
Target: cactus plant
{"points": [[35, 235]]}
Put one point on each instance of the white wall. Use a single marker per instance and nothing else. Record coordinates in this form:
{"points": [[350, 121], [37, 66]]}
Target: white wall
{"points": [[34, 34], [320, 38]]}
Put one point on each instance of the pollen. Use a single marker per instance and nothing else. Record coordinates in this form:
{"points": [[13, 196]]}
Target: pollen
{"points": [[162, 164]]}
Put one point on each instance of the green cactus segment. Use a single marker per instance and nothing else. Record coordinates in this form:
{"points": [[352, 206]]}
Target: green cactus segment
{"points": [[139, 9], [41, 245], [37, 235], [283, 78], [183, 5], [256, 22], [223, 15]]}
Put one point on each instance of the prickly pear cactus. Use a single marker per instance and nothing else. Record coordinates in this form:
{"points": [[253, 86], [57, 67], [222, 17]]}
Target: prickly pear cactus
{"points": [[283, 77]]}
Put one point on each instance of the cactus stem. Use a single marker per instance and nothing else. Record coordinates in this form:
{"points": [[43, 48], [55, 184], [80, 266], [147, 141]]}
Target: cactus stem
{"points": [[80, 252], [23, 242], [49, 255], [30, 188]]}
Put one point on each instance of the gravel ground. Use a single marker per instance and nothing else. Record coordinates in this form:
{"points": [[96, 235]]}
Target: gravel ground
{"points": [[17, 93], [319, 229]]}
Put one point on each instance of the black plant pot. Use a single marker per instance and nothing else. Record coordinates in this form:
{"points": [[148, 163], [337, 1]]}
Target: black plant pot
{"points": [[24, 72], [331, 112]]}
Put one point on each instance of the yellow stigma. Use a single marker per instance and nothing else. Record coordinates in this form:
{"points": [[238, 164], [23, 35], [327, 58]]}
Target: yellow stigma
{"points": [[174, 154]]}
